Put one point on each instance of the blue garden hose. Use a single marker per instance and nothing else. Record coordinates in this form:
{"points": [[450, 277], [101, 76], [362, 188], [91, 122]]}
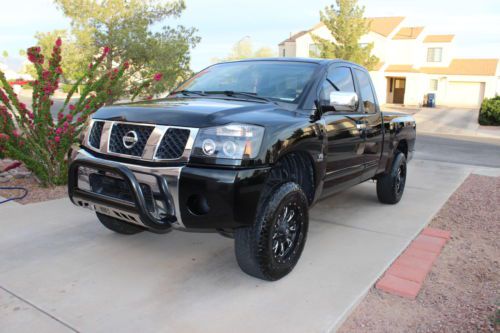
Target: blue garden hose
{"points": [[12, 188]]}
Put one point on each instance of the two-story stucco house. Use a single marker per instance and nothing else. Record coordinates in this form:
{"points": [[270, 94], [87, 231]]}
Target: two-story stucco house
{"points": [[412, 64]]}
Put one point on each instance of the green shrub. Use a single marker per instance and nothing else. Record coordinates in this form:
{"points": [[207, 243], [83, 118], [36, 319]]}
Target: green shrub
{"points": [[489, 114], [66, 88]]}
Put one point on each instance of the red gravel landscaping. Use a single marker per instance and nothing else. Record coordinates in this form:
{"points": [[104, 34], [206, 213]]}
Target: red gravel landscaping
{"points": [[462, 291]]}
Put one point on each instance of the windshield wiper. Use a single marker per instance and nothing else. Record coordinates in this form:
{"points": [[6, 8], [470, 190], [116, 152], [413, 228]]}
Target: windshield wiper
{"points": [[232, 93], [188, 92]]}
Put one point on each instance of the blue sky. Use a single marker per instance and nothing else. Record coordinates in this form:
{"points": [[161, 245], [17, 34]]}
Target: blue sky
{"points": [[221, 23]]}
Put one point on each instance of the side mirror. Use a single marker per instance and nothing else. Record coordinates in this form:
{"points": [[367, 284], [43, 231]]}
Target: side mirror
{"points": [[343, 101]]}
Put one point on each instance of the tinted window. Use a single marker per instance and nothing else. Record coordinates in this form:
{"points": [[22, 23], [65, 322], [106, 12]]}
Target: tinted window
{"points": [[338, 79], [366, 91], [281, 80], [341, 78]]}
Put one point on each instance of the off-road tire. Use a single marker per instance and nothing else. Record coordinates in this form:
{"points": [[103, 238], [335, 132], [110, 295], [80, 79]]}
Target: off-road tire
{"points": [[255, 245], [119, 226], [390, 186]]}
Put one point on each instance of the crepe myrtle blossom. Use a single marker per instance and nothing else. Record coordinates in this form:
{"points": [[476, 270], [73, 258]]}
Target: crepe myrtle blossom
{"points": [[157, 77]]}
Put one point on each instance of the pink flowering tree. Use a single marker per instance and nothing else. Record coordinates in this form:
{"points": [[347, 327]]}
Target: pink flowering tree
{"points": [[137, 89], [32, 135]]}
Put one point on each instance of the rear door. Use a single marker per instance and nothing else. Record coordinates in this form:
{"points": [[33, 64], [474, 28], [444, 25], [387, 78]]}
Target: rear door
{"points": [[371, 124], [345, 161]]}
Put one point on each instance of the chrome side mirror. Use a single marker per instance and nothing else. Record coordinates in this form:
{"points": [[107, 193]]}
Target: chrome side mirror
{"points": [[344, 101]]}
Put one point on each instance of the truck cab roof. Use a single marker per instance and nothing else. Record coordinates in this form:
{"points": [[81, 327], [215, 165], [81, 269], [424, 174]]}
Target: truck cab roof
{"points": [[318, 61]]}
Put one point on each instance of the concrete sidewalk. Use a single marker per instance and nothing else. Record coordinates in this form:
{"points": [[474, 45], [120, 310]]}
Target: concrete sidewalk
{"points": [[60, 271]]}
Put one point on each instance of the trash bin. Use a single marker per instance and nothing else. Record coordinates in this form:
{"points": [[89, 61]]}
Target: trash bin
{"points": [[431, 100]]}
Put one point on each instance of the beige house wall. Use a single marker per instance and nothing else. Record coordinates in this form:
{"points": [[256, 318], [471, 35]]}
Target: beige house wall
{"points": [[403, 54], [419, 84]]}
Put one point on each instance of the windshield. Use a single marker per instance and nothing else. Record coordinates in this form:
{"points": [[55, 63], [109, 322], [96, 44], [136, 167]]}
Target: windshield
{"points": [[277, 80]]}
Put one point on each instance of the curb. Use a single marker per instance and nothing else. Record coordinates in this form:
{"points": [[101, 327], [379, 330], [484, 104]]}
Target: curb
{"points": [[407, 273]]}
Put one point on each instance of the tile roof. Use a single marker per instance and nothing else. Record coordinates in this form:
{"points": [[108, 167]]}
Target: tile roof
{"points": [[384, 25], [381, 25], [294, 37], [465, 67], [487, 67], [401, 68], [438, 38], [408, 33]]}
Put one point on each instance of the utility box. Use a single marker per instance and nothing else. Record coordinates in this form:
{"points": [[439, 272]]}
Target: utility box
{"points": [[430, 100]]}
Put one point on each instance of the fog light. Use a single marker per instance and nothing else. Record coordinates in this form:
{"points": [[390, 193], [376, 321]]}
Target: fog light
{"points": [[198, 205]]}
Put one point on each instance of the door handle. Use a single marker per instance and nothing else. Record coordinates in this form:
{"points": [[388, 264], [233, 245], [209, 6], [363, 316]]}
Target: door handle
{"points": [[361, 126]]}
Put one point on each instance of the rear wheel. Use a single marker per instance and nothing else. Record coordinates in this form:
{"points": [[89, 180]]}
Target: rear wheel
{"points": [[119, 226], [271, 248], [390, 186]]}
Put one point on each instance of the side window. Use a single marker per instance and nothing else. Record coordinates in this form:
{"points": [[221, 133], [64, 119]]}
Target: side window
{"points": [[338, 79], [365, 87], [326, 89], [341, 78]]}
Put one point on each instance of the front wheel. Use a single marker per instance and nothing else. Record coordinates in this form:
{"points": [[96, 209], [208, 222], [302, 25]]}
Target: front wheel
{"points": [[390, 186], [271, 248]]}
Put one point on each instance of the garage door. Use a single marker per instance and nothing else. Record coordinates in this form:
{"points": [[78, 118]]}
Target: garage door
{"points": [[465, 93]]}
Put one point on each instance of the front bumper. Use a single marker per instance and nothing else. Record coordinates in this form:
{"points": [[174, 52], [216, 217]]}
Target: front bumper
{"points": [[185, 197]]}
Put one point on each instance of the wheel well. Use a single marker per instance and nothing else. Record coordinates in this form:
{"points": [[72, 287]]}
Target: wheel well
{"points": [[296, 167], [403, 147]]}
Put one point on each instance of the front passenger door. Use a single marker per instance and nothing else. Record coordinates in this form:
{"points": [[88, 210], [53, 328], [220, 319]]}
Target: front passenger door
{"points": [[344, 158]]}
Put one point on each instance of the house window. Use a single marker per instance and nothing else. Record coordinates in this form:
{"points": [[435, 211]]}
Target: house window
{"points": [[314, 50], [433, 85], [284, 52], [399, 84], [434, 54]]}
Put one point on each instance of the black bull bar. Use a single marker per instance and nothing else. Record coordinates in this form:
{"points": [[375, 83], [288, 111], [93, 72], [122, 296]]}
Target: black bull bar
{"points": [[138, 205]]}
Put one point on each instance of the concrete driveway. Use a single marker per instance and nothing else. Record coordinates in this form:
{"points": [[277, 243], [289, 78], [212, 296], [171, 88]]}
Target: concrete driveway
{"points": [[60, 271], [453, 121]]}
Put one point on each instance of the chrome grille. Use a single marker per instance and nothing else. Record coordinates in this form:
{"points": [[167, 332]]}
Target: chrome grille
{"points": [[159, 143], [173, 143], [119, 130], [95, 134]]}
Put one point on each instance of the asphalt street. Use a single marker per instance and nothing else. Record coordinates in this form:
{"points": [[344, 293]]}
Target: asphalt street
{"points": [[458, 150]]}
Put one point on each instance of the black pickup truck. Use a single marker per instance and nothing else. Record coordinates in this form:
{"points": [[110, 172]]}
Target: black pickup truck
{"points": [[243, 148]]}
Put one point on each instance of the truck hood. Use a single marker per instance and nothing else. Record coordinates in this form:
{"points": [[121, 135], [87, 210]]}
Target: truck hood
{"points": [[198, 112]]}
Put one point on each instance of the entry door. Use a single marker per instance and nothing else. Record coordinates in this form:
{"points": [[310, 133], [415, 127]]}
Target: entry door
{"points": [[399, 91], [345, 162]]}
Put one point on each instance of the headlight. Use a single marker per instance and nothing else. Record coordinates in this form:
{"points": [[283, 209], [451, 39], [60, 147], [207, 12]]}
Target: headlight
{"points": [[232, 141]]}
